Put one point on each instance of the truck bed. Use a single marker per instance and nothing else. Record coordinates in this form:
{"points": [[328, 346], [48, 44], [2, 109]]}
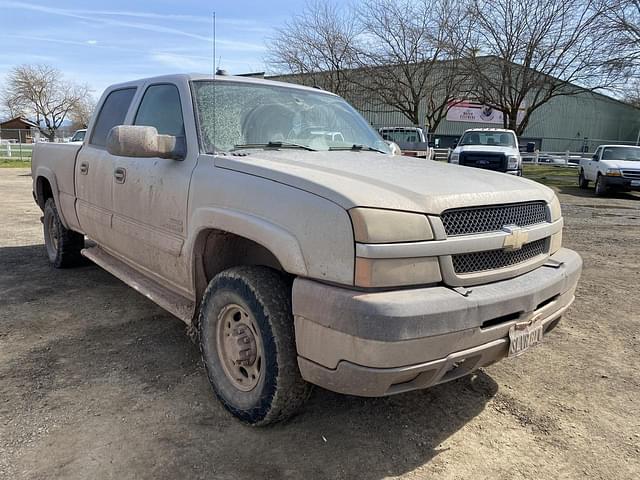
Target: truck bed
{"points": [[59, 158]]}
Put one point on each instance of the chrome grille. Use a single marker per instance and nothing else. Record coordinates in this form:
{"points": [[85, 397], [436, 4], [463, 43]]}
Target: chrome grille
{"points": [[633, 174], [466, 221], [495, 259]]}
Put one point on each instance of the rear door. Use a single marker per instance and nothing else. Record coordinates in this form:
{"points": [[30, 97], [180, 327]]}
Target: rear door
{"points": [[94, 168], [150, 194]]}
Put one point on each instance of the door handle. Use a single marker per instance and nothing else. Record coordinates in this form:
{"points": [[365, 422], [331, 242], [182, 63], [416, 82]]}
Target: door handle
{"points": [[84, 168], [120, 174]]}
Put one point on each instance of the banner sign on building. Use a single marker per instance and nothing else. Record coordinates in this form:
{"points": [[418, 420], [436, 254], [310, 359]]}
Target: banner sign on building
{"points": [[469, 111]]}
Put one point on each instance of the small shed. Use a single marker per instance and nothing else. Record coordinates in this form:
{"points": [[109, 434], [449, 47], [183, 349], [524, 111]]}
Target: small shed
{"points": [[18, 129]]}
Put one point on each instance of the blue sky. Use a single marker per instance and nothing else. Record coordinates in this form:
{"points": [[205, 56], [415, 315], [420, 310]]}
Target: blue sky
{"points": [[100, 43]]}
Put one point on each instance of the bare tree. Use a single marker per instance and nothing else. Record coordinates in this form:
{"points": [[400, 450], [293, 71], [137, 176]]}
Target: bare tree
{"points": [[41, 91], [80, 114], [621, 26], [11, 107], [410, 56], [632, 93], [536, 50], [319, 45]]}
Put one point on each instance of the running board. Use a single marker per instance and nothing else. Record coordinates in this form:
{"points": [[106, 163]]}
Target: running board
{"points": [[170, 301]]}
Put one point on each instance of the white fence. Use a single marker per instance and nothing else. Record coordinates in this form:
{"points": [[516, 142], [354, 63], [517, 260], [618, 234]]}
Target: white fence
{"points": [[561, 159]]}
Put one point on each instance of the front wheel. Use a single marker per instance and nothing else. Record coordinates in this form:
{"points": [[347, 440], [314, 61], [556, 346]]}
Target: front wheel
{"points": [[63, 245], [582, 181], [247, 344], [601, 188]]}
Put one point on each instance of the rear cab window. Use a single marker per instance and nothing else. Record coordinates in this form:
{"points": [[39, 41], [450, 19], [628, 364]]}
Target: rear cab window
{"points": [[113, 112]]}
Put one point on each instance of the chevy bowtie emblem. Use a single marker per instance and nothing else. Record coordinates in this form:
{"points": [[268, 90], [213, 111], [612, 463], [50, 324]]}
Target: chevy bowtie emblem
{"points": [[516, 237]]}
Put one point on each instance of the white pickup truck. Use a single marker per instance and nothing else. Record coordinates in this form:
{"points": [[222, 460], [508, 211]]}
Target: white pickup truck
{"points": [[612, 167], [298, 257], [411, 141], [489, 148]]}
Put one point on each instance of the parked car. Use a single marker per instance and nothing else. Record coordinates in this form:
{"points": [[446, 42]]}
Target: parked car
{"points": [[615, 167], [297, 257], [411, 141], [78, 136], [489, 148]]}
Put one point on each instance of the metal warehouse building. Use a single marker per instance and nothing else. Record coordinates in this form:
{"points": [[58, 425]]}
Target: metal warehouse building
{"points": [[579, 122]]}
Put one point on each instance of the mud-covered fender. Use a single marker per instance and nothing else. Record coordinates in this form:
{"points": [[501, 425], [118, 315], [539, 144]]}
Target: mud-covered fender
{"points": [[280, 242]]}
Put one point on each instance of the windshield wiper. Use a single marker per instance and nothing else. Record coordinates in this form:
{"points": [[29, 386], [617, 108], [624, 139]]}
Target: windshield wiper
{"points": [[274, 145], [358, 147]]}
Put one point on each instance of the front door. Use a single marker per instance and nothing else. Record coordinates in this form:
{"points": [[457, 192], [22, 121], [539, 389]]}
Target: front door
{"points": [[150, 194], [592, 165]]}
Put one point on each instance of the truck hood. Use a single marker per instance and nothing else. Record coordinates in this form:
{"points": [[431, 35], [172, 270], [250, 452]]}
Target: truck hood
{"points": [[487, 148], [621, 164], [370, 179]]}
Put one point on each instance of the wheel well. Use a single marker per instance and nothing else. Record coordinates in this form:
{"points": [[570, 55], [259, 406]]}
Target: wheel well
{"points": [[216, 250], [43, 191]]}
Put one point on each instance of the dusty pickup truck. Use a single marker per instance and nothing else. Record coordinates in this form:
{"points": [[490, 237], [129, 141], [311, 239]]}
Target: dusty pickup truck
{"points": [[298, 257]]}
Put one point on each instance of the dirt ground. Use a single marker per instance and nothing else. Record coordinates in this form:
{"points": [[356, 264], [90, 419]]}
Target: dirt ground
{"points": [[98, 382]]}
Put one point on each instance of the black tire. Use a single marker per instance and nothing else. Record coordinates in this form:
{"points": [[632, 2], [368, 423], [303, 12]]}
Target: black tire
{"points": [[582, 181], [265, 295], [63, 246], [601, 188]]}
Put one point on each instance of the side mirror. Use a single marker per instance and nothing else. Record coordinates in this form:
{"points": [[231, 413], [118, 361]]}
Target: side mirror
{"points": [[395, 149], [531, 147], [595, 157], [144, 142]]}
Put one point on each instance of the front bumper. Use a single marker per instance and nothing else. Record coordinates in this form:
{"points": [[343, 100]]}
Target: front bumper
{"points": [[621, 183], [375, 344]]}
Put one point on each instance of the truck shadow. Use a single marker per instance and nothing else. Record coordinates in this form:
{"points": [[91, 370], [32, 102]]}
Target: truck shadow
{"points": [[590, 193], [90, 354]]}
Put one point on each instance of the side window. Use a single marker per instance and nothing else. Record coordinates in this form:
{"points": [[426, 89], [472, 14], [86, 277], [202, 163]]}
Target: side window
{"points": [[113, 111], [161, 108]]}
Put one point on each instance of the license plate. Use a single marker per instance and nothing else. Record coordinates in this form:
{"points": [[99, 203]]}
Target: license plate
{"points": [[635, 183], [520, 339]]}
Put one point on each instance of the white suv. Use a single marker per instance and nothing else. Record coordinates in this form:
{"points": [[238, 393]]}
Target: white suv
{"points": [[489, 148]]}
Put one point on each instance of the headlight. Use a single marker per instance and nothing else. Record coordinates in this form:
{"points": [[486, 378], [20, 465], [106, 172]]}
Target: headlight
{"points": [[395, 272], [454, 158], [556, 214], [613, 172], [372, 225], [513, 161], [554, 207]]}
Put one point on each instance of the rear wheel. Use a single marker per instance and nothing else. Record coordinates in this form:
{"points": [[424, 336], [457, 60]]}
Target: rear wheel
{"points": [[582, 181], [601, 188], [63, 245], [248, 347]]}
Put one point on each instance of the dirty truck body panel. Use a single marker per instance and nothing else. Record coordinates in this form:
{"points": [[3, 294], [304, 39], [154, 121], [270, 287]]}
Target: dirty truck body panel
{"points": [[404, 273]]}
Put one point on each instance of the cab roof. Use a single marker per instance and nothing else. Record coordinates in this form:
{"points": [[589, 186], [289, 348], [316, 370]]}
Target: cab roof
{"points": [[503, 130], [189, 77]]}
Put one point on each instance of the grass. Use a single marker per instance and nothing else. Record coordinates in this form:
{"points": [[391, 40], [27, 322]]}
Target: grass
{"points": [[20, 156], [552, 176], [14, 163]]}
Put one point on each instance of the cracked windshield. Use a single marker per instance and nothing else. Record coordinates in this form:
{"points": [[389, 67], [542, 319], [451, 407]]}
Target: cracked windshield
{"points": [[260, 116]]}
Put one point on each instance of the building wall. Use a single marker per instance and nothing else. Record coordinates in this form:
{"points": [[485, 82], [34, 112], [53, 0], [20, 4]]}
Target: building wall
{"points": [[564, 123]]}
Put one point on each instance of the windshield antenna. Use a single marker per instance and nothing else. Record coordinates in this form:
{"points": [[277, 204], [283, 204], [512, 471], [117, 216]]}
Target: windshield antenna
{"points": [[213, 77]]}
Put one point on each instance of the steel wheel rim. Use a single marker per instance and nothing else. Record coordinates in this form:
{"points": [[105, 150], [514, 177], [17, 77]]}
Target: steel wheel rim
{"points": [[239, 347], [52, 236]]}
